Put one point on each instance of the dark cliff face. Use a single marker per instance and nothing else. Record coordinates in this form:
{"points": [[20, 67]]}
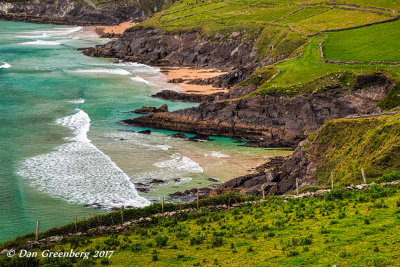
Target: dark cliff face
{"points": [[184, 49], [272, 120], [71, 12]]}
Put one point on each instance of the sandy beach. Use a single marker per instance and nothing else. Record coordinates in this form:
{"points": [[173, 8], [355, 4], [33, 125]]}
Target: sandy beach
{"points": [[189, 74], [118, 29], [173, 73]]}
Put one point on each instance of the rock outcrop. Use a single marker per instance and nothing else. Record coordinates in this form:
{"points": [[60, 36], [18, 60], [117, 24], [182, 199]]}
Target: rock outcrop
{"points": [[273, 120], [147, 110], [186, 97], [155, 47], [74, 12]]}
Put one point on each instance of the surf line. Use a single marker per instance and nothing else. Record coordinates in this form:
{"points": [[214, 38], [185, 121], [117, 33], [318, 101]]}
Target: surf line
{"points": [[79, 172]]}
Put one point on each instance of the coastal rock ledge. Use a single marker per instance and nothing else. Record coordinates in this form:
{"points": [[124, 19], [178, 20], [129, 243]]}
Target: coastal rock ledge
{"points": [[273, 120]]}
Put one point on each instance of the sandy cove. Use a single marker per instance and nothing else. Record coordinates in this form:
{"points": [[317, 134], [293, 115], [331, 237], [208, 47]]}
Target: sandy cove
{"points": [[184, 75], [117, 29]]}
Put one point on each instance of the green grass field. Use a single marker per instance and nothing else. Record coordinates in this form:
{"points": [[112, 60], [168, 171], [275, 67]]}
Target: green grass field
{"points": [[343, 228], [375, 43], [282, 29]]}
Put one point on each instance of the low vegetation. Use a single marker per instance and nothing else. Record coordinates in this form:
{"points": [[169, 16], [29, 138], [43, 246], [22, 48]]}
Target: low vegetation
{"points": [[294, 33], [344, 146], [344, 228]]}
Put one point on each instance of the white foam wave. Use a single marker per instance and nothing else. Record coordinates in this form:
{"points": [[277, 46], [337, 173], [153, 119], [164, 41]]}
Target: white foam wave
{"points": [[42, 35], [5, 65], [42, 43], [50, 33], [77, 101], [139, 68], [184, 180], [106, 71], [139, 79], [78, 172], [163, 147], [180, 163], [216, 154]]}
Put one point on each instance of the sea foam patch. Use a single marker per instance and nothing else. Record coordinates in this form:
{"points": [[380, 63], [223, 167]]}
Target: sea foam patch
{"points": [[139, 79], [216, 154], [104, 71], [180, 163], [5, 65], [77, 101], [56, 32], [42, 43], [139, 68], [78, 172]]}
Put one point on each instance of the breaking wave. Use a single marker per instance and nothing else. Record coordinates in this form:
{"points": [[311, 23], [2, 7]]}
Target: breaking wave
{"points": [[42, 43], [139, 79], [5, 65], [78, 172], [180, 163], [106, 71]]}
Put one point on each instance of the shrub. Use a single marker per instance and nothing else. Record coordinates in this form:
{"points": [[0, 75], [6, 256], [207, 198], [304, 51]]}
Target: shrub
{"points": [[112, 241], [161, 241], [293, 253], [389, 177], [217, 241], [105, 261], [136, 247], [196, 240]]}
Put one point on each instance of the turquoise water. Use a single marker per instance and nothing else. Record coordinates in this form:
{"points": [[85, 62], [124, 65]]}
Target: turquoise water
{"points": [[61, 149]]}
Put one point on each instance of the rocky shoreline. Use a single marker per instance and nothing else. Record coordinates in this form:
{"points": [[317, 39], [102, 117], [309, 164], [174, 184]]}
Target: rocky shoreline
{"points": [[272, 119], [68, 12]]}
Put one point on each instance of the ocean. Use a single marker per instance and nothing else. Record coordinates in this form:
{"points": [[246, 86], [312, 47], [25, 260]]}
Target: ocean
{"points": [[62, 152]]}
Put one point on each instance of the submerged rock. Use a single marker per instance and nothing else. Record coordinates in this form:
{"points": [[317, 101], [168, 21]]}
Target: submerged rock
{"points": [[189, 195], [147, 110], [179, 135], [145, 131], [185, 97]]}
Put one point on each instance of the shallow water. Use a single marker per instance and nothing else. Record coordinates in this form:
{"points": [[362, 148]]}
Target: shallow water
{"points": [[60, 146]]}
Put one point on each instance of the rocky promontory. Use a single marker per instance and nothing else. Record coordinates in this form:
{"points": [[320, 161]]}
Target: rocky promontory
{"points": [[74, 12], [273, 120], [153, 46]]}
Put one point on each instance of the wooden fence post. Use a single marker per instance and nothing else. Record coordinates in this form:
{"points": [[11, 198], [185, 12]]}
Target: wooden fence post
{"points": [[197, 198], [162, 205], [263, 191], [332, 180], [363, 175], [37, 230], [76, 222], [122, 213], [297, 186]]}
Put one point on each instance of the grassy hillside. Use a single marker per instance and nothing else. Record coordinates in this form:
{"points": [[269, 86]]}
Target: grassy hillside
{"points": [[310, 33], [368, 44], [344, 146], [343, 228]]}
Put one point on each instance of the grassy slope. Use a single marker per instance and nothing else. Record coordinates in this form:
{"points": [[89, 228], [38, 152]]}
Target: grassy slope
{"points": [[344, 146], [343, 228], [375, 43], [281, 28]]}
